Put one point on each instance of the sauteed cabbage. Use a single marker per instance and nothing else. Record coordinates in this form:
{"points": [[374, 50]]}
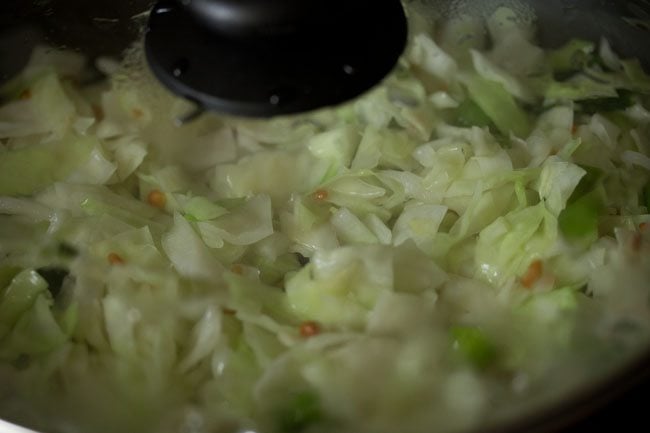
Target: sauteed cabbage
{"points": [[466, 241]]}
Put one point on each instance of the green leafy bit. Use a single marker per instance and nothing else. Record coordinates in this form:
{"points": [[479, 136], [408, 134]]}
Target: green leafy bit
{"points": [[472, 343], [19, 297], [469, 113], [572, 56], [302, 411], [579, 220], [499, 106], [624, 100]]}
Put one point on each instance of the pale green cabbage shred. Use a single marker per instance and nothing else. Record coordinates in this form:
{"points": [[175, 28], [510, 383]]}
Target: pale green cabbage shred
{"points": [[466, 239]]}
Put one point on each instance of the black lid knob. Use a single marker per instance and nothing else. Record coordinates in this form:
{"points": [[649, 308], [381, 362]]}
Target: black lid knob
{"points": [[268, 57], [254, 17]]}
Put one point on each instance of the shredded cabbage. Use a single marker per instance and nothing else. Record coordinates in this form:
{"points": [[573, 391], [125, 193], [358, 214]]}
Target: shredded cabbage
{"points": [[470, 238]]}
